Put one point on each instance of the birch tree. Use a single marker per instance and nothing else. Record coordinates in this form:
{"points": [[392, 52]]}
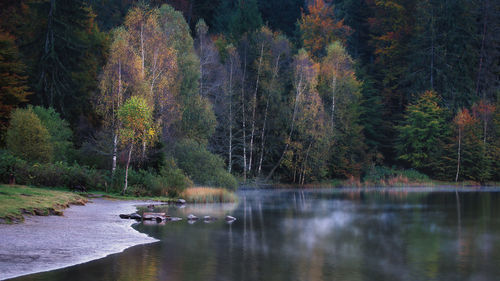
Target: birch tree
{"points": [[305, 72], [138, 128]]}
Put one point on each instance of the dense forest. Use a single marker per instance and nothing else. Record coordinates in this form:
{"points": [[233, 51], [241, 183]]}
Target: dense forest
{"points": [[163, 94]]}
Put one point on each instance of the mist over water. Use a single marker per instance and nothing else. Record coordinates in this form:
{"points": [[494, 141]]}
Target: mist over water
{"points": [[385, 234]]}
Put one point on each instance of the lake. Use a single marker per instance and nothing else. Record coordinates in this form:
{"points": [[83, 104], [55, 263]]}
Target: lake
{"points": [[333, 234]]}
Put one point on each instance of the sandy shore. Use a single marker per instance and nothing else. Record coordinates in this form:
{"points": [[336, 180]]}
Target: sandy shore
{"points": [[83, 234]]}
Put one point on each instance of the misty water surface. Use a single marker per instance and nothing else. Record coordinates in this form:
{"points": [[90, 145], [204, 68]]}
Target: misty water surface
{"points": [[349, 234]]}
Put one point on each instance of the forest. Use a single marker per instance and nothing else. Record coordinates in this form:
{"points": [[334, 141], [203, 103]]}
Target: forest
{"points": [[150, 97]]}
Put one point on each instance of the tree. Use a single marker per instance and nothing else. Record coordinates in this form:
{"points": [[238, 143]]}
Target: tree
{"points": [[341, 92], [58, 128], [443, 52], [197, 118], [472, 162], [420, 138], [281, 14], [210, 67], [391, 29], [272, 65], [236, 18], [336, 66], [120, 76], [28, 138], [201, 166], [136, 117], [305, 73], [319, 28], [66, 48], [13, 81]]}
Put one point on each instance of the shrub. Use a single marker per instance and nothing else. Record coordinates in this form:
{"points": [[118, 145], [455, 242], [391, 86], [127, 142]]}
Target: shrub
{"points": [[171, 181], [50, 174], [387, 176], [174, 177], [28, 138], [60, 133], [201, 166]]}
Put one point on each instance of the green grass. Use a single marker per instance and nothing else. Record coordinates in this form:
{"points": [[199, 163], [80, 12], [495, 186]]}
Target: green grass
{"points": [[17, 200]]}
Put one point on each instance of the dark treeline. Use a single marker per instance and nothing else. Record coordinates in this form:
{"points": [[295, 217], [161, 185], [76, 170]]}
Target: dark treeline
{"points": [[284, 90]]}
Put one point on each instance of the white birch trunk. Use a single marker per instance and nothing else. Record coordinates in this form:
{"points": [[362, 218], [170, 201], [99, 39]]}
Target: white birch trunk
{"points": [[254, 103], [126, 169]]}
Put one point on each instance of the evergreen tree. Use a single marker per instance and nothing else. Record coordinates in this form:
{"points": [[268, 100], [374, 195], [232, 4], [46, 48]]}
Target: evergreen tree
{"points": [[238, 17], [421, 136], [13, 81], [64, 65]]}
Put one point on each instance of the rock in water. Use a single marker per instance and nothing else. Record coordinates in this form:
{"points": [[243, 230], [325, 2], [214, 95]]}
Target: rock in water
{"points": [[135, 216], [230, 218], [159, 219], [124, 216], [192, 217], [180, 201], [174, 219]]}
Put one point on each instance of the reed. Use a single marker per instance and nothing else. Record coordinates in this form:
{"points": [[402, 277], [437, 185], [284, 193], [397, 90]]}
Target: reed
{"points": [[208, 195]]}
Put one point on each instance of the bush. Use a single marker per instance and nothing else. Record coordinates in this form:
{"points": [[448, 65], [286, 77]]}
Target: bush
{"points": [[380, 174], [201, 166], [28, 138], [171, 181], [51, 175], [60, 133]]}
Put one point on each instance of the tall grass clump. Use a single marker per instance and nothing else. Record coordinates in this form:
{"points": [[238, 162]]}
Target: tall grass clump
{"points": [[208, 195], [384, 176]]}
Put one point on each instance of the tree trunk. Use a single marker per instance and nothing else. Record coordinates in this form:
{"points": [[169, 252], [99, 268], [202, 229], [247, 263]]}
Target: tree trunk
{"points": [[115, 137], [126, 169], [142, 49], [305, 163], [262, 138], [459, 147], [254, 103], [334, 84], [143, 154], [243, 120], [201, 64], [115, 151], [275, 74], [230, 151]]}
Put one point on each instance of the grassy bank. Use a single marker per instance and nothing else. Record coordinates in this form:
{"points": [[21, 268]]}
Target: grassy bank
{"points": [[18, 200], [208, 195]]}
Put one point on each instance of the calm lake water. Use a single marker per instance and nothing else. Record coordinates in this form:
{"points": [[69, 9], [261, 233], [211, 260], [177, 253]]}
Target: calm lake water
{"points": [[388, 234]]}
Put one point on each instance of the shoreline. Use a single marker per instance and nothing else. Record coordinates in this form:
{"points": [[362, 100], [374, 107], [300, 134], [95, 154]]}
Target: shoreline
{"points": [[83, 234]]}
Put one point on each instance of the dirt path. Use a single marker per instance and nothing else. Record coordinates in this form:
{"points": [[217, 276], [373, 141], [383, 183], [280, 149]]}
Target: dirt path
{"points": [[83, 234]]}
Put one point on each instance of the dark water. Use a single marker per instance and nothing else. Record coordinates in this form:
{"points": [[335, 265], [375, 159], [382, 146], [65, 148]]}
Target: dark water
{"points": [[317, 235]]}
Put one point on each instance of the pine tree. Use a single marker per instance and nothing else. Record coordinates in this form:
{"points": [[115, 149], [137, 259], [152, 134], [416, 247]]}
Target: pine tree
{"points": [[421, 136], [13, 81]]}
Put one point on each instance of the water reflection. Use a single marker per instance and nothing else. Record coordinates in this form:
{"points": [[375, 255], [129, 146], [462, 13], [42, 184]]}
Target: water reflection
{"points": [[387, 234]]}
